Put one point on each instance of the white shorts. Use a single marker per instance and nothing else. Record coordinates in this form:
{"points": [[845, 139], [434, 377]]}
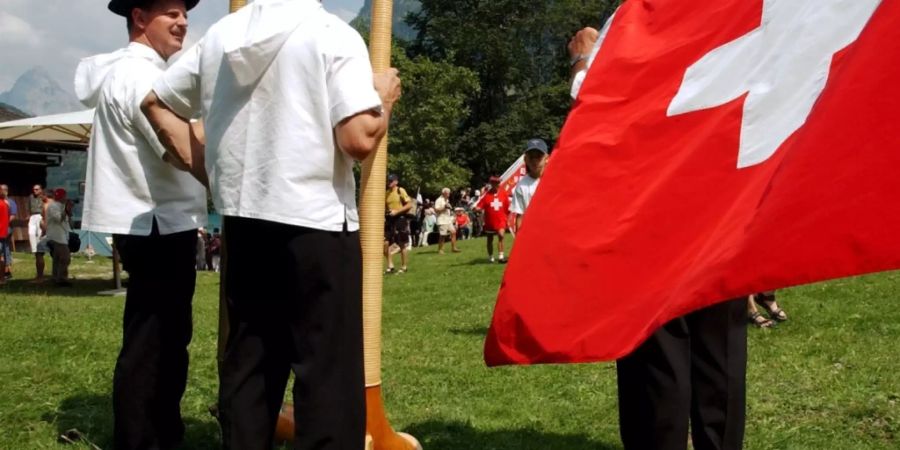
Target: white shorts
{"points": [[34, 231], [446, 229]]}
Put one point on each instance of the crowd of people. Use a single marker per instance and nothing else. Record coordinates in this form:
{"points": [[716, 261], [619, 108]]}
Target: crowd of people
{"points": [[49, 233], [488, 211]]}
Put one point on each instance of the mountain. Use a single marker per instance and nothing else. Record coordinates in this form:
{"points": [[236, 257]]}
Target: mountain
{"points": [[37, 93], [9, 112], [402, 31]]}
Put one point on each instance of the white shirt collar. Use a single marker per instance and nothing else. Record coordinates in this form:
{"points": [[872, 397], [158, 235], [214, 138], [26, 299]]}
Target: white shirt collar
{"points": [[143, 51]]}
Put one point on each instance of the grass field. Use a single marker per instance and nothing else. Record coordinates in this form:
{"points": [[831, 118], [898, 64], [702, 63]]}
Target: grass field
{"points": [[827, 379]]}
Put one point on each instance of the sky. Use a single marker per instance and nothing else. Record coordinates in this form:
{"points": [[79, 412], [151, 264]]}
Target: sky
{"points": [[56, 34]]}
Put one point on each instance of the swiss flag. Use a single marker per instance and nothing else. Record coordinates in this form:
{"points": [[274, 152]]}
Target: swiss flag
{"points": [[673, 186]]}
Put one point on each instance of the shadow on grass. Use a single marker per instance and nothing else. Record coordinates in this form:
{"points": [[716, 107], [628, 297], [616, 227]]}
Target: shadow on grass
{"points": [[477, 331], [80, 288], [462, 436], [92, 415], [480, 261]]}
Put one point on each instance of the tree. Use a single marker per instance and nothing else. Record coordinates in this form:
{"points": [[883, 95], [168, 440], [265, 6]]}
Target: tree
{"points": [[427, 123], [518, 51]]}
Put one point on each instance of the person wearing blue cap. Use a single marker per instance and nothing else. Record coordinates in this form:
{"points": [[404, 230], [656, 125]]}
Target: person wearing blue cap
{"points": [[535, 161], [143, 195]]}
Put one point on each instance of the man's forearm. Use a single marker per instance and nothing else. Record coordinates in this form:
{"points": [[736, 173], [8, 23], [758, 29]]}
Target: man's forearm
{"points": [[184, 148]]}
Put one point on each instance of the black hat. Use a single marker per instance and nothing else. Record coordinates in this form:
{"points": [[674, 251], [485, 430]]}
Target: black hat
{"points": [[124, 7]]}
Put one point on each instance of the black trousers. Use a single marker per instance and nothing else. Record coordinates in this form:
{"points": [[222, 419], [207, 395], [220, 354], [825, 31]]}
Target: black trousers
{"points": [[295, 304], [693, 370], [151, 371]]}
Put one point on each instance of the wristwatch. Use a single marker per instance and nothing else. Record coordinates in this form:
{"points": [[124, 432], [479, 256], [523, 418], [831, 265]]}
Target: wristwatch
{"points": [[579, 57]]}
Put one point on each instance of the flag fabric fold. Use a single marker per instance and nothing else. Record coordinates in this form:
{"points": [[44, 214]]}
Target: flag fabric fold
{"points": [[643, 215]]}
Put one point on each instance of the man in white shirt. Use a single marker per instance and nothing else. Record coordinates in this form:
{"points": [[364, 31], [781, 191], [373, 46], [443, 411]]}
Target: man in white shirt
{"points": [[535, 161], [288, 99], [445, 221], [689, 373], [135, 192]]}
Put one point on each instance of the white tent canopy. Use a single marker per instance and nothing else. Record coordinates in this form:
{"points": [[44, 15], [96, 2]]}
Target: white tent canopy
{"points": [[67, 128]]}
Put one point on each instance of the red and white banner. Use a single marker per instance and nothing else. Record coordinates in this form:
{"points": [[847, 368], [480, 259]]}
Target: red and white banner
{"points": [[716, 149]]}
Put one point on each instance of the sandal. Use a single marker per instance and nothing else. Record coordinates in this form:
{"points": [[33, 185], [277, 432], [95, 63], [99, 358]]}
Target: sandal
{"points": [[389, 270], [776, 314], [760, 321], [402, 270]]}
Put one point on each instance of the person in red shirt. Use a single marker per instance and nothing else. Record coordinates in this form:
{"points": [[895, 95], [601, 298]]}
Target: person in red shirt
{"points": [[495, 204], [4, 233]]}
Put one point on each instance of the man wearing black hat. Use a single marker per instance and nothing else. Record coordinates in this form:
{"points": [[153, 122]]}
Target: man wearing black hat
{"points": [[135, 192]]}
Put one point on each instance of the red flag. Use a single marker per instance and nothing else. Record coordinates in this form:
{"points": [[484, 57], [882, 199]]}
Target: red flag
{"points": [[673, 186]]}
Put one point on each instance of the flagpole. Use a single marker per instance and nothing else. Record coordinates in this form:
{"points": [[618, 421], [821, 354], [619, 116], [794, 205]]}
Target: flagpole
{"points": [[374, 175]]}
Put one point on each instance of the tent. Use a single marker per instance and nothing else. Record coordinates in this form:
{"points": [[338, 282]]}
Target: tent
{"points": [[61, 131]]}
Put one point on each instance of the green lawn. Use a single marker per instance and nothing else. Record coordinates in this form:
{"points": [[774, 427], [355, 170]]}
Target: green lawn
{"points": [[828, 379]]}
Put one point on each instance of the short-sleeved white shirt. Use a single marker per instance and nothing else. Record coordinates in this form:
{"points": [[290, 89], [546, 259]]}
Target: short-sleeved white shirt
{"points": [[522, 194], [128, 184], [270, 147], [578, 80]]}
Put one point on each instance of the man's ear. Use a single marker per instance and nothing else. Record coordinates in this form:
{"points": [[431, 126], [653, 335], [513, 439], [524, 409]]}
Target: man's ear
{"points": [[138, 18]]}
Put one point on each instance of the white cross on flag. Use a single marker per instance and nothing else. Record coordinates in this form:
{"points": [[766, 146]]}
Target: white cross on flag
{"points": [[716, 149]]}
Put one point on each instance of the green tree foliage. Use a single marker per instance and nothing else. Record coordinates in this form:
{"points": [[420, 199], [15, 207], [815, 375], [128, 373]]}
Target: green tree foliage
{"points": [[518, 51], [427, 123]]}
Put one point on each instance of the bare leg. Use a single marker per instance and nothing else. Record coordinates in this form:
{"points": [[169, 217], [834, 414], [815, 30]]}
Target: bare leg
{"points": [[39, 266], [490, 246], [500, 235], [453, 243], [404, 257], [387, 256], [441, 244]]}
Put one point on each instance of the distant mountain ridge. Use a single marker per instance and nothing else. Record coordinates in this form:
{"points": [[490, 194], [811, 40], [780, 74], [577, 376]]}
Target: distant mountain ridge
{"points": [[402, 31], [35, 92], [9, 112]]}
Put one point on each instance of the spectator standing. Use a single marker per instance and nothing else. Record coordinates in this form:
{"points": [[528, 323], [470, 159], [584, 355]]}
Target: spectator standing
{"points": [[7, 248], [535, 161], [445, 221], [214, 251], [35, 222], [397, 205], [428, 223], [58, 229], [495, 205], [4, 233]]}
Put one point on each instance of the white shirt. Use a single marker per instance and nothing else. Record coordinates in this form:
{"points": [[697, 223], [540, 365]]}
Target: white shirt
{"points": [[443, 208], [128, 184], [271, 82], [522, 194], [578, 79]]}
